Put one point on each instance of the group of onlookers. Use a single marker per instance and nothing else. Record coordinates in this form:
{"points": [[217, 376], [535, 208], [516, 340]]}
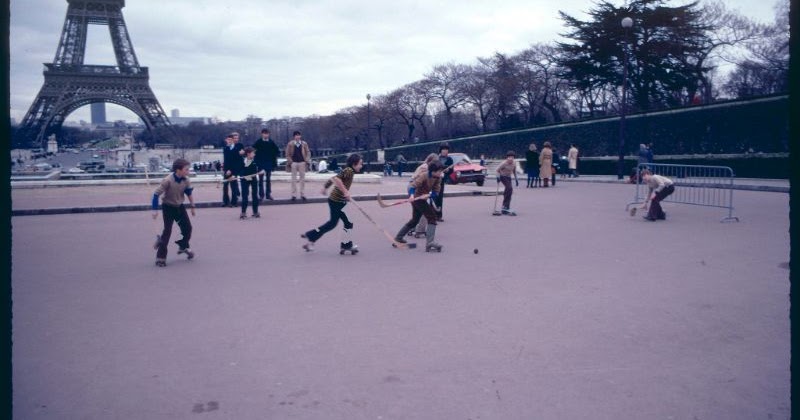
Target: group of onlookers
{"points": [[543, 166]]}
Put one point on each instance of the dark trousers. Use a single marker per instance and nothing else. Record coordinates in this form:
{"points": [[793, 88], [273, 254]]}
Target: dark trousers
{"points": [[439, 200], [507, 191], [656, 212], [249, 185], [233, 199], [265, 184], [419, 208], [336, 213], [171, 215]]}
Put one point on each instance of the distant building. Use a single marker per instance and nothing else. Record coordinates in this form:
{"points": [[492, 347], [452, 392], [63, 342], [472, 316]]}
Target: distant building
{"points": [[98, 113]]}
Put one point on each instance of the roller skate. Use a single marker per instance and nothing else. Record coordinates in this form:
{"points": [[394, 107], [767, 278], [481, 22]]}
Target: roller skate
{"points": [[189, 253], [308, 247], [430, 244], [161, 262], [348, 247], [508, 212], [433, 246]]}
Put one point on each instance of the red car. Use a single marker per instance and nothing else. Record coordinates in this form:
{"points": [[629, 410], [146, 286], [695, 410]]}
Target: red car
{"points": [[464, 170]]}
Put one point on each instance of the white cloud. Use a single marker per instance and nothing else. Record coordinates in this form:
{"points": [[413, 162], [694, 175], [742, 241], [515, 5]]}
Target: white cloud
{"points": [[278, 58]]}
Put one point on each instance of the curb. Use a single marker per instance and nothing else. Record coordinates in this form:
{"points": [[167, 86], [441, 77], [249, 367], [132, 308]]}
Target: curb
{"points": [[207, 205]]}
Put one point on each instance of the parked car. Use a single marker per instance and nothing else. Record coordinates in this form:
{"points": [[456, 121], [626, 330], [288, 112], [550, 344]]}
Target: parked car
{"points": [[464, 170], [75, 171]]}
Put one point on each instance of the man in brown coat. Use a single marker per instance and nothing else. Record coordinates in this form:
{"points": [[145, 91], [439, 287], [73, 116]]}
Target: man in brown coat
{"points": [[298, 156], [546, 163]]}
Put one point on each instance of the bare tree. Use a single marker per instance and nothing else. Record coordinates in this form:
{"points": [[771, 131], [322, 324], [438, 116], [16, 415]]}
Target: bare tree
{"points": [[765, 68], [480, 93], [446, 83], [410, 105]]}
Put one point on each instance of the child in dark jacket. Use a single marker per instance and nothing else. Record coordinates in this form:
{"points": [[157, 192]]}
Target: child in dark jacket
{"points": [[249, 182]]}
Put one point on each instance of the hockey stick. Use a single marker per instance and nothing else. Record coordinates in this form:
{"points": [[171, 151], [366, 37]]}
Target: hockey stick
{"points": [[236, 178], [384, 204], [388, 235], [496, 195]]}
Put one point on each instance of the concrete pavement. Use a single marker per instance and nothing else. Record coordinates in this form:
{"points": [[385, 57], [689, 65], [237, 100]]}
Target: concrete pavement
{"points": [[570, 310]]}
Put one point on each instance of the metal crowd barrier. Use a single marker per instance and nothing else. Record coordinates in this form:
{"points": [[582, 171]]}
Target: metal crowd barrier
{"points": [[710, 186]]}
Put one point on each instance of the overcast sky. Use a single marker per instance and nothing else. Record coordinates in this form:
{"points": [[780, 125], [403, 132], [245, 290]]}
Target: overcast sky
{"points": [[275, 58]]}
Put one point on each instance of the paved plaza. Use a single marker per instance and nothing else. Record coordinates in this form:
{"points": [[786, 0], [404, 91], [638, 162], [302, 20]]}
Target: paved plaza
{"points": [[571, 310]]}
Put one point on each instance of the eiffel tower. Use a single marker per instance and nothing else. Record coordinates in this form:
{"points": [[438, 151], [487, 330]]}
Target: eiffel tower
{"points": [[70, 84]]}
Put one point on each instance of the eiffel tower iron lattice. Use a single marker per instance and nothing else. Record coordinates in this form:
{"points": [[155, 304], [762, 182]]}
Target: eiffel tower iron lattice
{"points": [[70, 84]]}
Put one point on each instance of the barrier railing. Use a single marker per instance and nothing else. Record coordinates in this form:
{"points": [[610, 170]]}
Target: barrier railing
{"points": [[709, 186]]}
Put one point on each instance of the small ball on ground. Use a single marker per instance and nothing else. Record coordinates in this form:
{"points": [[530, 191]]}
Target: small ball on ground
{"points": [[475, 250]]}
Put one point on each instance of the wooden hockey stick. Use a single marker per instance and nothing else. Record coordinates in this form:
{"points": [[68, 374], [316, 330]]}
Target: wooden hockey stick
{"points": [[384, 231], [384, 204], [236, 178]]}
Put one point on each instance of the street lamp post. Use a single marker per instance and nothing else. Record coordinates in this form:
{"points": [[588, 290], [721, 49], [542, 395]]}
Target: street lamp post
{"points": [[369, 121], [627, 23]]}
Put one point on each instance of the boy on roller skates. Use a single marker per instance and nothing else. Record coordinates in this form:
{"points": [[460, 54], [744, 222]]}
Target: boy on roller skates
{"points": [[336, 202], [426, 187], [506, 169], [250, 183], [174, 187]]}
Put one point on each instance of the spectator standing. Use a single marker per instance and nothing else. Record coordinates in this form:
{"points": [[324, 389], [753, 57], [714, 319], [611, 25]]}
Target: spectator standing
{"points": [[231, 164], [644, 154], [401, 163], [572, 156], [266, 159], [546, 163], [556, 166], [298, 156], [532, 166], [447, 163]]}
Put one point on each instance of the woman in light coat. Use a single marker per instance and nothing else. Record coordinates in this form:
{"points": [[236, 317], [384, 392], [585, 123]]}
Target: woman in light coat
{"points": [[546, 163]]}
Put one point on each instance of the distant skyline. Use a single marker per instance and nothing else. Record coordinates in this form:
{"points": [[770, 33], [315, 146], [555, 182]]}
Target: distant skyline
{"points": [[290, 58]]}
